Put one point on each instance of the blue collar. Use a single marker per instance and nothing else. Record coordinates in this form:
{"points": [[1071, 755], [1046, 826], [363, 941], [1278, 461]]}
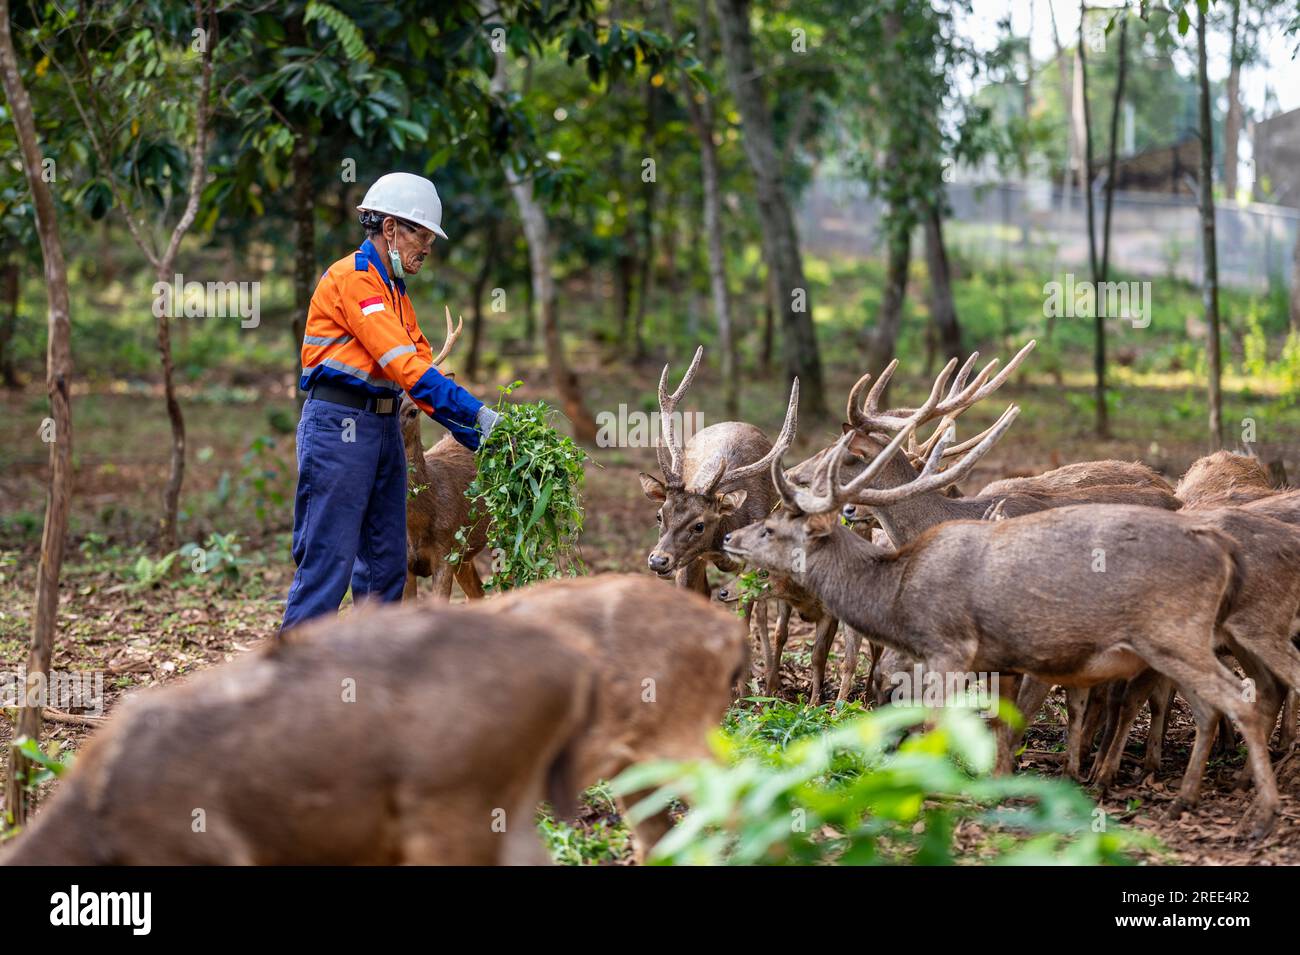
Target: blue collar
{"points": [[372, 255]]}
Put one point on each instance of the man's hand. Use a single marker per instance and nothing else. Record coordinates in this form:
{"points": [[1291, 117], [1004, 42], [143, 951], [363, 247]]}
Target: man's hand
{"points": [[486, 419]]}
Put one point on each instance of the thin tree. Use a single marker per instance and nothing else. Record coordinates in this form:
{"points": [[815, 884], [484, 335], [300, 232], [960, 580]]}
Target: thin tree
{"points": [[57, 429], [700, 107], [1102, 426], [541, 258], [1210, 280], [780, 239], [161, 256]]}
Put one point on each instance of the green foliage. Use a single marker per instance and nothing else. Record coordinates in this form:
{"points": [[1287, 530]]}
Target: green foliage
{"points": [[752, 585], [600, 841], [528, 485], [890, 786], [50, 765]]}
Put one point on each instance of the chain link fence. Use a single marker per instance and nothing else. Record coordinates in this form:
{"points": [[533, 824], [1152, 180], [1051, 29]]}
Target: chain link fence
{"points": [[1039, 225]]}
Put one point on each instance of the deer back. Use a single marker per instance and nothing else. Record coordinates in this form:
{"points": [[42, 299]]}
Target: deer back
{"points": [[385, 737]]}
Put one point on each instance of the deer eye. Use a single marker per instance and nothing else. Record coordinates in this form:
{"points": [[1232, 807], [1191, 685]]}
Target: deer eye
{"points": [[767, 531], [659, 517], [698, 528]]}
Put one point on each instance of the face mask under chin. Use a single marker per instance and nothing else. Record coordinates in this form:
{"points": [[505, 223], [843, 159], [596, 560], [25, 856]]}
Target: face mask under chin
{"points": [[395, 264]]}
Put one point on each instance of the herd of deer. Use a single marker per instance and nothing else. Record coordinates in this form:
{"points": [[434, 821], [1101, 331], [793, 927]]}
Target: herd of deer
{"points": [[431, 734]]}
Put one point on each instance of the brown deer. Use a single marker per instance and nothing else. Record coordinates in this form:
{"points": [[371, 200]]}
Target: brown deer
{"points": [[436, 506], [401, 734], [397, 735], [1022, 595], [715, 482], [905, 515], [666, 663], [1218, 480]]}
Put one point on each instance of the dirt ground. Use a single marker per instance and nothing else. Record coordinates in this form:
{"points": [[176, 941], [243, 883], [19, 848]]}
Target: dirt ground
{"points": [[146, 637]]}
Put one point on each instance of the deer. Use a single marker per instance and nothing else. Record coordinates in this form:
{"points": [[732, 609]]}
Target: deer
{"points": [[436, 506], [401, 735], [711, 484], [666, 664], [1213, 482], [1021, 595], [903, 518]]}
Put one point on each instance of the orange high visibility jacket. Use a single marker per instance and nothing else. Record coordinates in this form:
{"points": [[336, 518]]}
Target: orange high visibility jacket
{"points": [[362, 334]]}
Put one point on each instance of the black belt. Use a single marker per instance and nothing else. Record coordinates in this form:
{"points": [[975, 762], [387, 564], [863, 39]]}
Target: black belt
{"points": [[354, 399]]}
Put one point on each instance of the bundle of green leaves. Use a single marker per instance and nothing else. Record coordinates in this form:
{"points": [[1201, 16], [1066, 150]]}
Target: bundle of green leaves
{"points": [[528, 488]]}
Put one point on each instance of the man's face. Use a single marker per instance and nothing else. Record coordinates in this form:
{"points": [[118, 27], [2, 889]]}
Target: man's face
{"points": [[412, 243]]}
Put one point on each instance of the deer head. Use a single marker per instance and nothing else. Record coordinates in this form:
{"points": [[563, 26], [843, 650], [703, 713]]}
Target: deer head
{"points": [[691, 512], [789, 540]]}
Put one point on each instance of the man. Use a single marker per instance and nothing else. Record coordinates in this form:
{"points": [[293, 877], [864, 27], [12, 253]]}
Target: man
{"points": [[361, 350]]}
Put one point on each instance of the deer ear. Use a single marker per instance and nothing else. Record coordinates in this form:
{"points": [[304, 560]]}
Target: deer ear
{"points": [[730, 502], [819, 525], [653, 487]]}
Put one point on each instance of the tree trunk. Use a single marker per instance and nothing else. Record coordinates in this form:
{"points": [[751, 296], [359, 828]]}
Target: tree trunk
{"points": [[882, 340], [701, 112], [1295, 283], [780, 239], [541, 263], [304, 265], [649, 191], [10, 277], [943, 312], [58, 380], [1232, 121], [1068, 103], [480, 286], [1102, 424], [1211, 278]]}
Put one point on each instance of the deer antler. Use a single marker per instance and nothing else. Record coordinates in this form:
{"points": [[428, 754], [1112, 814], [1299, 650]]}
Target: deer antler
{"points": [[669, 451], [930, 478], [959, 397], [452, 335], [779, 447]]}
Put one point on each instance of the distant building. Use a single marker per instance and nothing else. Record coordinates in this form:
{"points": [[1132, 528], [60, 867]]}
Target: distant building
{"points": [[1276, 142], [1171, 170]]}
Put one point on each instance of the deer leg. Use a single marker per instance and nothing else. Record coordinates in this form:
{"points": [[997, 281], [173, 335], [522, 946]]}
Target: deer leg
{"points": [[1286, 733], [410, 591], [1028, 695], [825, 636], [773, 675], [1269, 694], [646, 833], [849, 666], [757, 612], [1124, 704], [1079, 704], [1207, 726], [1196, 668], [1160, 701], [469, 580]]}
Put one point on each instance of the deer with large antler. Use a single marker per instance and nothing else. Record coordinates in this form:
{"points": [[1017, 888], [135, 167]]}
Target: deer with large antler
{"points": [[436, 506], [905, 516], [915, 506], [1022, 595], [713, 483]]}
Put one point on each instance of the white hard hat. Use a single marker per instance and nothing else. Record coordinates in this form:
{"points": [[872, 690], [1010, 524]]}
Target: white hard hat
{"points": [[408, 197]]}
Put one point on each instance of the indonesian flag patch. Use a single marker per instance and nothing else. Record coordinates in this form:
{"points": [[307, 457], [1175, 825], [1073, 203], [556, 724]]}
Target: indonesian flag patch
{"points": [[369, 305]]}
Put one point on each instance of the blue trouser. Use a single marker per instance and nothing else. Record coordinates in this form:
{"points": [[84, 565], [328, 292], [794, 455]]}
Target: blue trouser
{"points": [[349, 515]]}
